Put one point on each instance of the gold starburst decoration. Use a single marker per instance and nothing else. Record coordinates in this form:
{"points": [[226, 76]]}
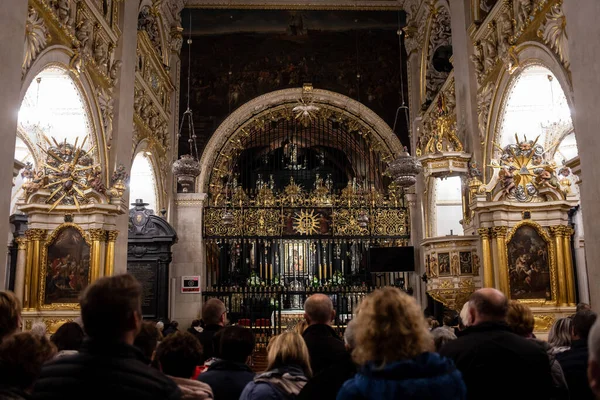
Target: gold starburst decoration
{"points": [[306, 223]]}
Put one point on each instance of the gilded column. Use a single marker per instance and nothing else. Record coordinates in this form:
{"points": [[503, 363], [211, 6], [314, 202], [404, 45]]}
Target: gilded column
{"points": [[567, 232], [556, 233], [499, 236], [109, 260], [36, 239], [488, 269], [98, 237], [21, 266]]}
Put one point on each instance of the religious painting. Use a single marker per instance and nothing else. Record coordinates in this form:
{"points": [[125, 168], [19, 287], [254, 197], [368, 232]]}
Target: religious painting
{"points": [[466, 262], [529, 265], [444, 263], [67, 269]]}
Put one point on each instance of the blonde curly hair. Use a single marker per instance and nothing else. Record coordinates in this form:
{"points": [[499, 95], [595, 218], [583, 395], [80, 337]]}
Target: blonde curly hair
{"points": [[390, 326]]}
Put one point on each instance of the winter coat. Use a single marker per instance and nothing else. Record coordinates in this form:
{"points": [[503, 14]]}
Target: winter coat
{"points": [[497, 364], [324, 346], [574, 364], [206, 339], [193, 390], [12, 393], [326, 384], [103, 370], [227, 379], [561, 391], [427, 376], [280, 384]]}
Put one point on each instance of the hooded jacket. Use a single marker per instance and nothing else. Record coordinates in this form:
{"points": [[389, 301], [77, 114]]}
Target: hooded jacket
{"points": [[278, 384], [427, 376]]}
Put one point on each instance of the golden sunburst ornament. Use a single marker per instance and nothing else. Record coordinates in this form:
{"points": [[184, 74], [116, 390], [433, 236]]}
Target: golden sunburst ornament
{"points": [[306, 223]]}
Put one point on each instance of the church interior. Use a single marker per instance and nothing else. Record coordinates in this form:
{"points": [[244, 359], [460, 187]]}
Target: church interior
{"points": [[259, 151]]}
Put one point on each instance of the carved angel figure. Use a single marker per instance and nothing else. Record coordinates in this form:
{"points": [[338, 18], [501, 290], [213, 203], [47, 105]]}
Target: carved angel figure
{"points": [[63, 9], [524, 8], [94, 179], [506, 31], [508, 179], [83, 33], [491, 52], [100, 52], [477, 60], [114, 71]]}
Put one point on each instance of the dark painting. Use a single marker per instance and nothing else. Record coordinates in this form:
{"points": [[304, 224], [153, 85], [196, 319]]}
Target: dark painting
{"points": [[241, 54], [529, 265], [466, 262], [68, 267], [444, 263]]}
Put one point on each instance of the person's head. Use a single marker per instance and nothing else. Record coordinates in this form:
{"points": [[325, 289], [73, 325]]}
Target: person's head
{"points": [[179, 355], [301, 326], [464, 317], [22, 356], [111, 308], [487, 305], [236, 343], [39, 328], [10, 314], [390, 326], [583, 307], [581, 324], [350, 335], [593, 371], [288, 349], [195, 323], [214, 312], [520, 319], [318, 309], [68, 337], [451, 318], [441, 336], [560, 333], [160, 326], [147, 340], [433, 323]]}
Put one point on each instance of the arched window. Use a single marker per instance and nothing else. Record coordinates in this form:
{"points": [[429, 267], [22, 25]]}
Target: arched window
{"points": [[537, 107], [142, 184], [448, 206]]}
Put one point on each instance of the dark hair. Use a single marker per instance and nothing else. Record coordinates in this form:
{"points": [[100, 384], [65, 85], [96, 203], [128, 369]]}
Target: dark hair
{"points": [[212, 311], [583, 307], [582, 323], [108, 306], [451, 318], [179, 354], [487, 307], [68, 337], [195, 323], [147, 339], [22, 356], [236, 343], [520, 318], [10, 310]]}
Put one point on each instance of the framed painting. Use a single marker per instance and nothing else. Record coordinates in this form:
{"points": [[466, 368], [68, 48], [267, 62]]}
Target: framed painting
{"points": [[466, 262], [529, 263], [444, 264], [65, 268]]}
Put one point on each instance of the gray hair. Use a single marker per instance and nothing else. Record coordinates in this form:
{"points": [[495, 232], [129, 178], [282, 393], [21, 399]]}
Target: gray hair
{"points": [[560, 333], [594, 341], [441, 336], [465, 317], [39, 329], [350, 335]]}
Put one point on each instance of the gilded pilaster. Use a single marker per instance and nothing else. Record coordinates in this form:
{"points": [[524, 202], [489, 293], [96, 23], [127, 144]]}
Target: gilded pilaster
{"points": [[36, 239], [567, 232], [556, 232], [499, 236], [486, 250], [98, 237], [109, 260]]}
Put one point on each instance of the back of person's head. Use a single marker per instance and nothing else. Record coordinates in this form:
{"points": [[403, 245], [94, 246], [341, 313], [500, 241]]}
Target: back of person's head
{"points": [[593, 371], [441, 336], [350, 335], [179, 355], [487, 305], [451, 318], [583, 307], [433, 323], [464, 316], [21, 358], [195, 323], [111, 307], [236, 343], [560, 333], [68, 337], [390, 326], [39, 328], [582, 323], [147, 339], [10, 314], [288, 349], [213, 312], [520, 319], [318, 309], [301, 326]]}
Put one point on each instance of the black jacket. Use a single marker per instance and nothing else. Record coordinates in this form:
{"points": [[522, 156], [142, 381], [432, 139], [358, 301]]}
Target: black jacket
{"points": [[324, 346], [497, 364], [574, 364], [12, 393], [326, 384], [227, 379], [103, 371], [206, 338]]}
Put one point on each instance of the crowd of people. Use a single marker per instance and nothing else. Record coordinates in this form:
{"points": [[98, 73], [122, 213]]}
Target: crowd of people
{"points": [[389, 351]]}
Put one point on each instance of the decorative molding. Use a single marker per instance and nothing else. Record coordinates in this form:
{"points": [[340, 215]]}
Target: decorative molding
{"points": [[37, 37], [553, 32]]}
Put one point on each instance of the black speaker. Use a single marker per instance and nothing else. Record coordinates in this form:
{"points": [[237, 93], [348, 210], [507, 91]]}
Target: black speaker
{"points": [[392, 259]]}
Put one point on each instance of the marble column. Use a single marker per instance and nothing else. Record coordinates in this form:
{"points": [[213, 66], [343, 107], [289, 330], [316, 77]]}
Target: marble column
{"points": [[465, 82], [583, 32], [420, 289], [12, 32], [20, 270], [121, 150]]}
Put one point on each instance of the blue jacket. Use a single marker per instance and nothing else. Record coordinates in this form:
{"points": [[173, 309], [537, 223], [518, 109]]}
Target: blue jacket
{"points": [[227, 379], [283, 383], [428, 376]]}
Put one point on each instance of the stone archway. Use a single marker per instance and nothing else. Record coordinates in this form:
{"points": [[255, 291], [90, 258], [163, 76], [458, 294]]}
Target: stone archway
{"points": [[234, 124]]}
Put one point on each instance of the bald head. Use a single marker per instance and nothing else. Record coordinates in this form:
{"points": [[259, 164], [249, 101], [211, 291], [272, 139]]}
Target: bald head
{"points": [[318, 309], [213, 312], [487, 305]]}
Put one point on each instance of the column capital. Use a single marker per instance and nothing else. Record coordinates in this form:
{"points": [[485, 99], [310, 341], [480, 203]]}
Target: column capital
{"points": [[111, 236], [484, 233], [97, 234], [21, 242], [499, 231], [36, 234]]}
